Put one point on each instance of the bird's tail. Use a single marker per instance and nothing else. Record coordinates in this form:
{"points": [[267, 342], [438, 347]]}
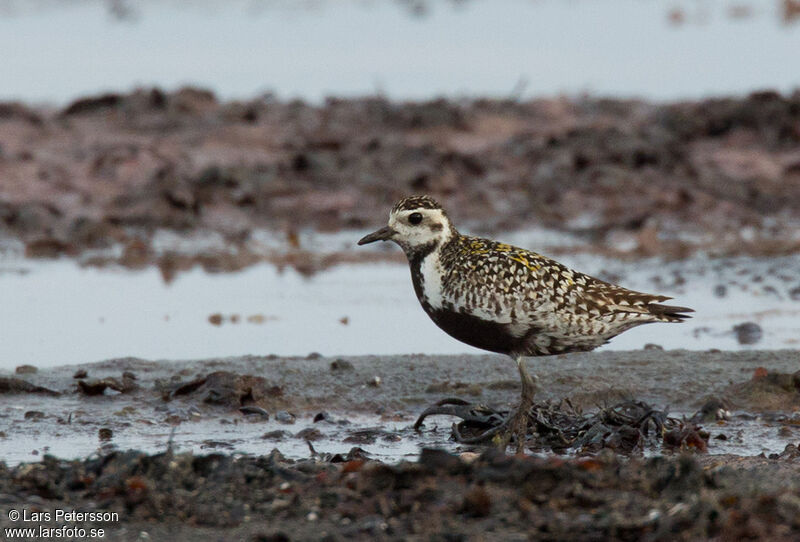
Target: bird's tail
{"points": [[669, 313]]}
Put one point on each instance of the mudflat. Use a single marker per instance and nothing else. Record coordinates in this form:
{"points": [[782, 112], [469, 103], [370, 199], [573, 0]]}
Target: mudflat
{"points": [[323, 448]]}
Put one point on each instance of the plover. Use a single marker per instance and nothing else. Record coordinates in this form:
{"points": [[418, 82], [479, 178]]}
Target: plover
{"points": [[505, 299]]}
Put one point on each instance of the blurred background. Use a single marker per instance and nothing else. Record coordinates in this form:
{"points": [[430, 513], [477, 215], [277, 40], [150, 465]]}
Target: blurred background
{"points": [[187, 179]]}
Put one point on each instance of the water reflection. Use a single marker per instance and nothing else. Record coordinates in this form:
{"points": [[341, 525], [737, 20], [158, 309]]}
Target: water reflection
{"points": [[409, 49]]}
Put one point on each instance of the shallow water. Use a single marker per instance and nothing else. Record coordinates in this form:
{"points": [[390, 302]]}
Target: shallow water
{"points": [[56, 51], [746, 435], [57, 312]]}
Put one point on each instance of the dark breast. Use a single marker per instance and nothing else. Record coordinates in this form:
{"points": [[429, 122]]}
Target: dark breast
{"points": [[475, 331], [464, 327]]}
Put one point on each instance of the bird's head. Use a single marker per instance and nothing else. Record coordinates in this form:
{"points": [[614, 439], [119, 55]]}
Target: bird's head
{"points": [[415, 223]]}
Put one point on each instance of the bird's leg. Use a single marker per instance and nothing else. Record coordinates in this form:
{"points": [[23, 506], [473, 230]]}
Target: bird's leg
{"points": [[517, 424]]}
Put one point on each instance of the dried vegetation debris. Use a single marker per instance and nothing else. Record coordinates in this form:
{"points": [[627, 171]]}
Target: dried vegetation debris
{"points": [[627, 427]]}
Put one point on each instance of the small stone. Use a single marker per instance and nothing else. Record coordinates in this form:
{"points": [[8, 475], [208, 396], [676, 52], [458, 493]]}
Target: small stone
{"points": [[341, 365], [252, 410], [477, 503], [748, 333], [309, 433], [469, 457], [652, 346], [215, 319], [314, 355], [720, 290], [26, 370], [436, 460], [80, 373], [275, 435], [323, 417], [794, 293], [375, 382], [285, 417], [34, 415], [105, 433]]}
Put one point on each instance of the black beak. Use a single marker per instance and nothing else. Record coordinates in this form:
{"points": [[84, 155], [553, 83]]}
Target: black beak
{"points": [[382, 234]]}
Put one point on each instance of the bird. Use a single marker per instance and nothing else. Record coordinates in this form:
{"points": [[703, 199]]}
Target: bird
{"points": [[508, 300]]}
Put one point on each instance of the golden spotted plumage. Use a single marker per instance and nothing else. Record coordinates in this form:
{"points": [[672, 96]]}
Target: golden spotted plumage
{"points": [[533, 304], [510, 300]]}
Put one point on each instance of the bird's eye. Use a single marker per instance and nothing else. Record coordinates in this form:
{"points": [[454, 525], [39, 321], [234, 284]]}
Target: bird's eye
{"points": [[415, 218]]}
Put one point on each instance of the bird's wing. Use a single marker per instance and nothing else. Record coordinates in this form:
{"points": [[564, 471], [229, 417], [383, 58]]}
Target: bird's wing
{"points": [[499, 282]]}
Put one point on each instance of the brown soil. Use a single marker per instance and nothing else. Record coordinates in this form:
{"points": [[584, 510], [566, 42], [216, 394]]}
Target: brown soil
{"points": [[720, 175]]}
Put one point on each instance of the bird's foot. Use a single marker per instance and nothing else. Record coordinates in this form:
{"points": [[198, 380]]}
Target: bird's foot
{"points": [[514, 429]]}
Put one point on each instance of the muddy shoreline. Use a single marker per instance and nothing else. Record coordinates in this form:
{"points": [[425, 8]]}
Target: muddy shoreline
{"points": [[681, 378], [626, 178], [274, 492]]}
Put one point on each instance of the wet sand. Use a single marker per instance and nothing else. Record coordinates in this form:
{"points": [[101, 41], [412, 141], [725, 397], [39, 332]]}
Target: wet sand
{"points": [[680, 378], [363, 405]]}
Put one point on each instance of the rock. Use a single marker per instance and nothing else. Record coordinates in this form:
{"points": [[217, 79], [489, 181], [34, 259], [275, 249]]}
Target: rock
{"points": [[766, 391], [278, 434], [748, 333], [92, 104], [365, 436], [251, 410], [476, 503], [309, 433], [341, 365], [80, 373], [26, 370], [285, 417], [97, 386], [228, 389], [323, 417], [47, 247], [271, 537], [714, 409], [435, 460], [16, 385]]}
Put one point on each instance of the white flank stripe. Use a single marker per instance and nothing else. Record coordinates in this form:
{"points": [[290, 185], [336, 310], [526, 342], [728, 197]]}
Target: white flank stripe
{"points": [[432, 279]]}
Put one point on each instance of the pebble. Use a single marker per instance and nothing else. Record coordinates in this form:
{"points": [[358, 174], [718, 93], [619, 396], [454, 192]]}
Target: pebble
{"points": [[748, 333], [285, 417], [341, 365]]}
